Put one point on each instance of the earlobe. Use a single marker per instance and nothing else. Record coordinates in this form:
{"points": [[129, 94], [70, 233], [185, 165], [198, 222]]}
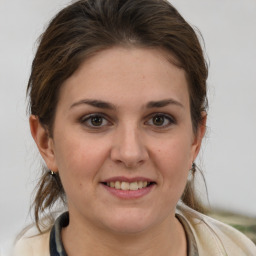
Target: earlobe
{"points": [[44, 142]]}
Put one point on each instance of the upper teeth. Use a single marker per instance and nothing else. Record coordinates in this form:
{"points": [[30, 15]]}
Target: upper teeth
{"points": [[127, 185]]}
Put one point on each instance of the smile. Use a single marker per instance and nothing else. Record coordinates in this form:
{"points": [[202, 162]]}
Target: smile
{"points": [[123, 185], [129, 188]]}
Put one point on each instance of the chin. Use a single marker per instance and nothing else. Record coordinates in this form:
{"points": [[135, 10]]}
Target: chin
{"points": [[128, 228], [131, 222]]}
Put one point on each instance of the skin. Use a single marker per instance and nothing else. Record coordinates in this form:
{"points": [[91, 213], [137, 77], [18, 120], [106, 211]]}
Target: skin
{"points": [[128, 143]]}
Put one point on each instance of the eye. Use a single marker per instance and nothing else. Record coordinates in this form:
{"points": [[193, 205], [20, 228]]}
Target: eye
{"points": [[161, 120], [95, 121]]}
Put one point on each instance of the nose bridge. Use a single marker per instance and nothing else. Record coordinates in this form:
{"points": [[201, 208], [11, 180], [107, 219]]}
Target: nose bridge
{"points": [[129, 147]]}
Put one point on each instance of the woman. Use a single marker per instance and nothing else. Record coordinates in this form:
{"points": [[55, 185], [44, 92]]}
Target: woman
{"points": [[118, 112]]}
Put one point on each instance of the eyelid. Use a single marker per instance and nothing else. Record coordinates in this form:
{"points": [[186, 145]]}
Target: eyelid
{"points": [[169, 117], [87, 117]]}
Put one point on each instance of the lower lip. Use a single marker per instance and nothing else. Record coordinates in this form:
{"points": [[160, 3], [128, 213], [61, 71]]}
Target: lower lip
{"points": [[129, 194]]}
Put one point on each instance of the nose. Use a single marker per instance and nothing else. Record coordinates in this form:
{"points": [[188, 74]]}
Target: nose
{"points": [[129, 148]]}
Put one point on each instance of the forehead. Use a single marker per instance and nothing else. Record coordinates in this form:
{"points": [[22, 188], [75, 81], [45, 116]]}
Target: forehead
{"points": [[122, 75]]}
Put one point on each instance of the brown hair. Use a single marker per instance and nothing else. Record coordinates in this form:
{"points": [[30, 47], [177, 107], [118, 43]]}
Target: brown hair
{"points": [[88, 26]]}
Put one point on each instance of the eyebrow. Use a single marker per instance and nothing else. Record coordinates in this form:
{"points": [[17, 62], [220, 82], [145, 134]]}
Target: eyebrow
{"points": [[94, 103], [107, 105], [163, 103]]}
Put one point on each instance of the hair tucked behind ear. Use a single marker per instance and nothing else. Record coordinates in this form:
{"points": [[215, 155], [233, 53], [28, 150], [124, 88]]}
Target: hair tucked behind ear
{"points": [[89, 26]]}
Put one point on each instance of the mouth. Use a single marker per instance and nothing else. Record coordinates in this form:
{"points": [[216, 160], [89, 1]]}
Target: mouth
{"points": [[128, 186]]}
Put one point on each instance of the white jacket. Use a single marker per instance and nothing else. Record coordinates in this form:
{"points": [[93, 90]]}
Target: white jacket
{"points": [[211, 238]]}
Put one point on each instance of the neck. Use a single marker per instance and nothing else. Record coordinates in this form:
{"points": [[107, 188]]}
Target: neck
{"points": [[168, 238]]}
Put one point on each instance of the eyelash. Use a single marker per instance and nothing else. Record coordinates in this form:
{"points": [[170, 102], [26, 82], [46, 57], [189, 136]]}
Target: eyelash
{"points": [[87, 120], [166, 117]]}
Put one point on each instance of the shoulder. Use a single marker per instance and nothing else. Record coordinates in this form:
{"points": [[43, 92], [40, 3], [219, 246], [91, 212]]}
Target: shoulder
{"points": [[32, 244], [214, 237]]}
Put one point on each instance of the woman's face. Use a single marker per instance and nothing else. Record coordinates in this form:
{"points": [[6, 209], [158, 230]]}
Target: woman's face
{"points": [[123, 141]]}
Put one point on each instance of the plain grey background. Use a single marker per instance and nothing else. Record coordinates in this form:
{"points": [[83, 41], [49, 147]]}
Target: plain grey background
{"points": [[229, 152]]}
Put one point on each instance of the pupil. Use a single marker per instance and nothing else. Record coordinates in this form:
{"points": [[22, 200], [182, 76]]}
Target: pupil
{"points": [[96, 120], [158, 120]]}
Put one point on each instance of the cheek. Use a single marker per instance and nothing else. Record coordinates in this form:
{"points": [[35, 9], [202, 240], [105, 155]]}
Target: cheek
{"points": [[173, 162], [174, 154], [79, 160]]}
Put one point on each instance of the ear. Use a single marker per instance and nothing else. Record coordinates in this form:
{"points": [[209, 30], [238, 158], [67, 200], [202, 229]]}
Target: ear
{"points": [[199, 136], [44, 142]]}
